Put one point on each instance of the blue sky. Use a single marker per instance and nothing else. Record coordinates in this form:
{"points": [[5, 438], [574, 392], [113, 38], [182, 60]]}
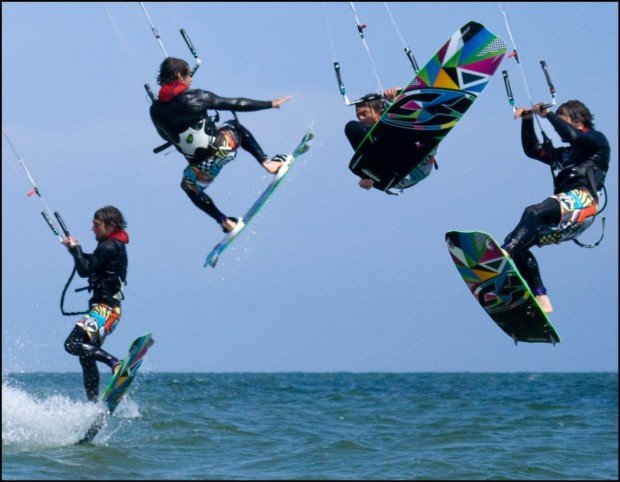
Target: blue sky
{"points": [[329, 277]]}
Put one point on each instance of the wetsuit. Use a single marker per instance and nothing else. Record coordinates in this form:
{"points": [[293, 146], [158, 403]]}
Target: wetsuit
{"points": [[356, 131], [578, 174], [106, 270], [180, 116]]}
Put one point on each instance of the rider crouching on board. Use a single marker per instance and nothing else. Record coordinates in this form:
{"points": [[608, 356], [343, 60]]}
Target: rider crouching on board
{"points": [[368, 112]]}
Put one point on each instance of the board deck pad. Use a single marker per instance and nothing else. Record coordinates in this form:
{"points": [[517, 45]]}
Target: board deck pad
{"points": [[302, 147], [497, 285], [119, 383], [429, 107]]}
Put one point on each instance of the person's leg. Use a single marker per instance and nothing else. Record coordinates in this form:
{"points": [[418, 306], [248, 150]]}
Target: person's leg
{"points": [[91, 378], [355, 132], [246, 140], [78, 343], [525, 235], [534, 218], [528, 267], [250, 144], [201, 199]]}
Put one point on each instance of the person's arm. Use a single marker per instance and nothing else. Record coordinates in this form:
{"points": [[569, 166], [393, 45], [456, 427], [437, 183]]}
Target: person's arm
{"points": [[160, 130], [571, 134], [532, 147], [87, 264], [239, 104]]}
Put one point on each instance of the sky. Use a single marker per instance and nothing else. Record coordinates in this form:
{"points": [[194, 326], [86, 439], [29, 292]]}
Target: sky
{"points": [[329, 277]]}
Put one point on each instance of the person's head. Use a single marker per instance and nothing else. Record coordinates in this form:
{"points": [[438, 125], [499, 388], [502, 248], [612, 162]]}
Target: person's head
{"points": [[369, 109], [107, 220], [174, 70], [576, 114]]}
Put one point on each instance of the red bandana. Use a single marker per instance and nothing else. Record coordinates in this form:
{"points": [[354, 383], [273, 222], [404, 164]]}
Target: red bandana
{"points": [[171, 90], [119, 234]]}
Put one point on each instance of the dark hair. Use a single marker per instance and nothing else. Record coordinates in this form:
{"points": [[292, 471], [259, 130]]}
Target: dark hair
{"points": [[577, 112], [373, 101], [111, 216], [170, 68]]}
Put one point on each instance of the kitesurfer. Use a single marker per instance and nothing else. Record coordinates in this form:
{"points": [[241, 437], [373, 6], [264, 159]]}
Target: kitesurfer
{"points": [[106, 270], [368, 112], [180, 117], [578, 175]]}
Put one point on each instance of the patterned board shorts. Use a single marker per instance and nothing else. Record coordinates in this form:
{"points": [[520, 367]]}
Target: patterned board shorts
{"points": [[197, 177], [578, 209], [100, 321]]}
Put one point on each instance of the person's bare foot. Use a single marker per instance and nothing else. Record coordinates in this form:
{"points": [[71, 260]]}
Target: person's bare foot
{"points": [[228, 225], [273, 166], [545, 303]]}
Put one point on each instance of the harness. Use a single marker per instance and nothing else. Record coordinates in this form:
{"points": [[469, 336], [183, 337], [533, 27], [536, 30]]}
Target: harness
{"points": [[581, 227], [596, 198], [206, 126], [208, 147], [195, 140]]}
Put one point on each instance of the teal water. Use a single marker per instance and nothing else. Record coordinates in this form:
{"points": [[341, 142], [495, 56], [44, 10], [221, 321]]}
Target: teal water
{"points": [[317, 426]]}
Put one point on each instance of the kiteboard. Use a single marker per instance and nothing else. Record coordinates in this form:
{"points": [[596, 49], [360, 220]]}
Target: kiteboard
{"points": [[119, 383], [242, 223], [496, 283], [423, 113]]}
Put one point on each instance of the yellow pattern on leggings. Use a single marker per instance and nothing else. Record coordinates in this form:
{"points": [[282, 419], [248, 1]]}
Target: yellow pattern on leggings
{"points": [[578, 210], [100, 321]]}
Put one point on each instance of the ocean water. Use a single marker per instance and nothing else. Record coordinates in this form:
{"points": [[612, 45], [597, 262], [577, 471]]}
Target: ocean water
{"points": [[317, 426]]}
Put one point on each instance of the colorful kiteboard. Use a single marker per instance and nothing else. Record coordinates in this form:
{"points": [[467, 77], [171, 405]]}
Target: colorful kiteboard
{"points": [[498, 286], [119, 383], [423, 113], [215, 253]]}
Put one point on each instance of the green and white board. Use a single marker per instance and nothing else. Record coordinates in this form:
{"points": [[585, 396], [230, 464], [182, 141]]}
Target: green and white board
{"points": [[304, 146], [497, 285], [119, 383]]}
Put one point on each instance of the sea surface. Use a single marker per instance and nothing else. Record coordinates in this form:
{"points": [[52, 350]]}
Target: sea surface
{"points": [[317, 426]]}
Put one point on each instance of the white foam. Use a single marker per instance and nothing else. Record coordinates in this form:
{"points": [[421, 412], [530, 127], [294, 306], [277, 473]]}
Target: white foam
{"points": [[31, 423]]}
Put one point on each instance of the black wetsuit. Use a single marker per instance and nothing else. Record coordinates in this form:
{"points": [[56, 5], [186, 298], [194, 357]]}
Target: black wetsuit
{"points": [[582, 165], [172, 117], [106, 270], [355, 132]]}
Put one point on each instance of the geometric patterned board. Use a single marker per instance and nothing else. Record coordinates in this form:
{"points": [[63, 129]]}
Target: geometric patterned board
{"points": [[498, 286], [429, 107], [119, 383], [302, 147]]}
